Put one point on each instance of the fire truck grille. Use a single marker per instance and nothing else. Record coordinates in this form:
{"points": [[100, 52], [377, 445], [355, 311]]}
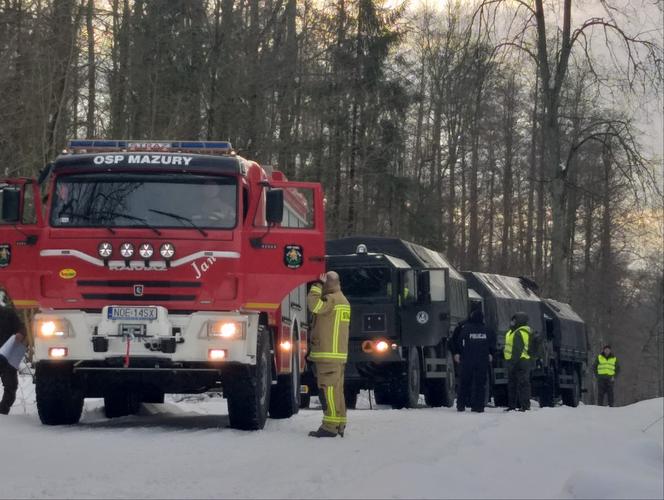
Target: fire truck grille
{"points": [[146, 284], [162, 297]]}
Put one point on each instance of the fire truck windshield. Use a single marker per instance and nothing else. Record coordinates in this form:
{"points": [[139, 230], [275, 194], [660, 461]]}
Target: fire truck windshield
{"points": [[144, 200]]}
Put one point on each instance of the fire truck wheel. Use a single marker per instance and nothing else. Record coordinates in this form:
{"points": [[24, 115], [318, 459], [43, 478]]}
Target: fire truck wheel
{"points": [[305, 400], [248, 394], [406, 390], [58, 401], [285, 397], [120, 403]]}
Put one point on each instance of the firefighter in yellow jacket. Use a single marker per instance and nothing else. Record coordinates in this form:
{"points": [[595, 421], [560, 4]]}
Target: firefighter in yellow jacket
{"points": [[329, 350]]}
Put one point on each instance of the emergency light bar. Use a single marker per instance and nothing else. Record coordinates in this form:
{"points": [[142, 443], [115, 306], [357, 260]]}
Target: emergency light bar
{"points": [[95, 146]]}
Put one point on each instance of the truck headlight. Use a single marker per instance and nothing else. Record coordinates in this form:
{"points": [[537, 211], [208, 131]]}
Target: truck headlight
{"points": [[226, 329], [167, 250], [127, 250], [52, 328], [146, 250]]}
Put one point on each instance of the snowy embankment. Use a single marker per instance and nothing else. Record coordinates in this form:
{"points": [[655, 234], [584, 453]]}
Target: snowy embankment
{"points": [[184, 449]]}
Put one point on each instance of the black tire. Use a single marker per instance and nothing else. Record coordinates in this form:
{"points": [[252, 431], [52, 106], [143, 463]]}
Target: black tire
{"points": [[285, 397], [406, 390], [571, 397], [500, 395], [152, 395], [382, 396], [305, 400], [59, 402], [441, 391], [350, 395], [546, 396], [121, 402], [248, 392]]}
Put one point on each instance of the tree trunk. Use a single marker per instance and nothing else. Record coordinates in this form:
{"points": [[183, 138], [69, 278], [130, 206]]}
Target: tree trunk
{"points": [[92, 71]]}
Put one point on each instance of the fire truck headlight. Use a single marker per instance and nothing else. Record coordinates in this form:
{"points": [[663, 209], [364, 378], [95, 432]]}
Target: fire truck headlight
{"points": [[105, 250], [127, 250], [52, 328], [226, 329], [167, 250], [57, 352], [146, 250], [216, 354]]}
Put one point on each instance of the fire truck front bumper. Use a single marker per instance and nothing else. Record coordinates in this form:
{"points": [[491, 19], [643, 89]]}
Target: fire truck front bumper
{"points": [[135, 333]]}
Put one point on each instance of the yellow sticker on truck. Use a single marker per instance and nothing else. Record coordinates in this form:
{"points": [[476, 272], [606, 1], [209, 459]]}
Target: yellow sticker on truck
{"points": [[68, 273]]}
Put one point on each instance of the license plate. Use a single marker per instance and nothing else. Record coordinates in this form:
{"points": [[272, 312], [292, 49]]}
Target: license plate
{"points": [[132, 313]]}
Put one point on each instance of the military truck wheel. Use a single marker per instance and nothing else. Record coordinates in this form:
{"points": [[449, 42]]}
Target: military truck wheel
{"points": [[500, 395], [59, 402], [248, 394], [571, 397], [547, 394], [382, 396], [406, 391], [350, 395], [120, 403], [285, 397]]}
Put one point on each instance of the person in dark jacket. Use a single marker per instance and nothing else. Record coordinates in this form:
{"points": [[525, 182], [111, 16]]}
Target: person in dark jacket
{"points": [[517, 358], [10, 324], [455, 350], [476, 345], [606, 369]]}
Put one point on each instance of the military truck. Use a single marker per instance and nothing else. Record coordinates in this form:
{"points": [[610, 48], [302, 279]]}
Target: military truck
{"points": [[406, 300], [565, 358], [558, 344]]}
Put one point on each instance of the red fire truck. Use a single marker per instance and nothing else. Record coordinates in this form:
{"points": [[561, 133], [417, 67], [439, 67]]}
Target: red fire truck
{"points": [[163, 267]]}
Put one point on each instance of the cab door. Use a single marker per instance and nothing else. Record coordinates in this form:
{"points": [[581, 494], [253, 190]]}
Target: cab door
{"points": [[285, 254], [21, 226]]}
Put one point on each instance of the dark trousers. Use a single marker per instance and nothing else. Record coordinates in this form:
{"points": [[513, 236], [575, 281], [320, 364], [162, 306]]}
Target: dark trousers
{"points": [[604, 388], [9, 377], [518, 384], [473, 386]]}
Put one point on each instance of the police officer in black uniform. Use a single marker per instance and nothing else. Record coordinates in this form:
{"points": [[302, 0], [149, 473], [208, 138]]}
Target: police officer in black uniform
{"points": [[476, 346]]}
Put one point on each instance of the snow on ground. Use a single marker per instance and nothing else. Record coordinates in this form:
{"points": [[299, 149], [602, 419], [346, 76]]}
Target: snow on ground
{"points": [[184, 449]]}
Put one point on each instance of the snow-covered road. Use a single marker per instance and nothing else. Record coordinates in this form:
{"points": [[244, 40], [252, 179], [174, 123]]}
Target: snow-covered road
{"points": [[184, 449]]}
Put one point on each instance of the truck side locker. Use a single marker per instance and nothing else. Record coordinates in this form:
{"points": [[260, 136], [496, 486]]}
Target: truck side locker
{"points": [[21, 225]]}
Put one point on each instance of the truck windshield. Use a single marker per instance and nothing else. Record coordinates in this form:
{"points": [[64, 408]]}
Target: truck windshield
{"points": [[366, 283], [140, 200]]}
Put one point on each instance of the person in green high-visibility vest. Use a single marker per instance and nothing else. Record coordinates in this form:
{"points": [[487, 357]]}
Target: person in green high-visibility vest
{"points": [[606, 369], [517, 357]]}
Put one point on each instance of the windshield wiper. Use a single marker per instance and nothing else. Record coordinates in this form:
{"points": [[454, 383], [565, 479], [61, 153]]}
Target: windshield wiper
{"points": [[133, 217], [181, 218]]}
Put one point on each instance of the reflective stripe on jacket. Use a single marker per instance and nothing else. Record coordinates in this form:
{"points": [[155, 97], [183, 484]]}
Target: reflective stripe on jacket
{"points": [[329, 333], [509, 342], [606, 366]]}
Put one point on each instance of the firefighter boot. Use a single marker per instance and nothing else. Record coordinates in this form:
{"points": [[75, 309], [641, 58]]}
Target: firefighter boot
{"points": [[323, 433]]}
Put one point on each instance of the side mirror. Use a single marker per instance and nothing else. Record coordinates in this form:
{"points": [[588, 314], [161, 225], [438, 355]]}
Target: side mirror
{"points": [[274, 209], [11, 205]]}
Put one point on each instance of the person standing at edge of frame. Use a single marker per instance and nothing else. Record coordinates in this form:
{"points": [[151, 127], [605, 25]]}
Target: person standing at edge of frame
{"points": [[329, 350], [10, 326]]}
